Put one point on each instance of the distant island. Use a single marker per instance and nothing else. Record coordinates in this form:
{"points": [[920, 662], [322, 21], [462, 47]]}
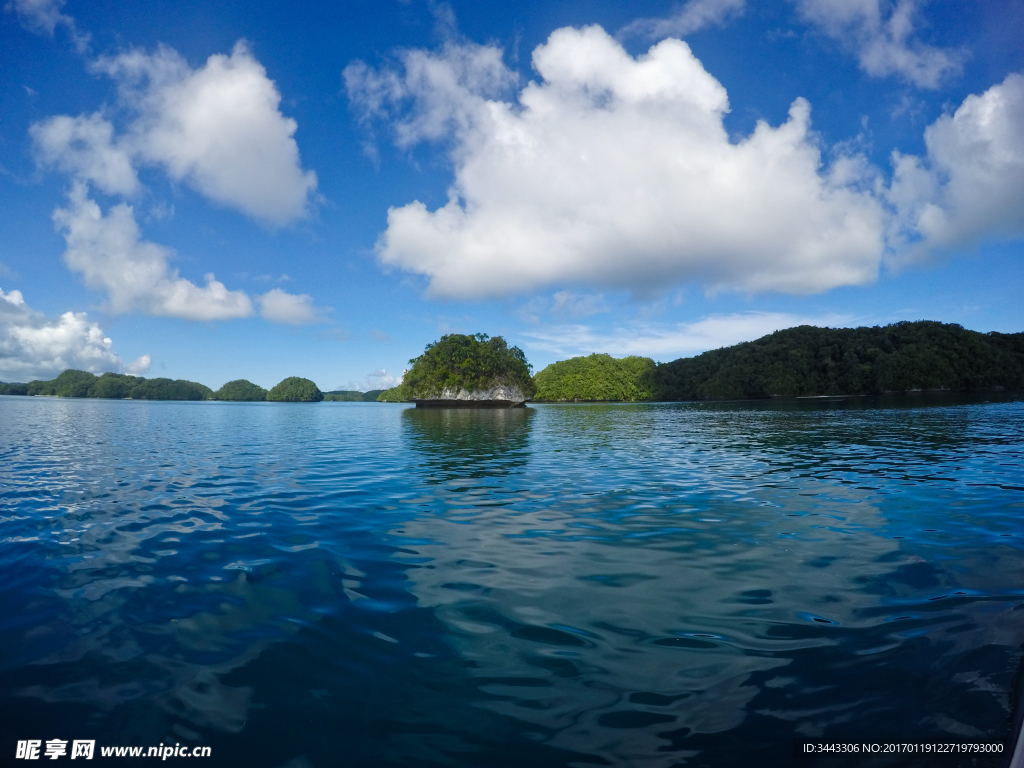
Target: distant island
{"points": [[798, 362], [807, 361], [466, 371], [119, 386], [352, 396], [595, 378]]}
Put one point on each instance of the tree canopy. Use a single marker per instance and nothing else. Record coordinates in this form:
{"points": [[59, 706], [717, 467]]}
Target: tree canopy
{"points": [[399, 394], [473, 363], [847, 361], [241, 390], [295, 389], [596, 377], [170, 389], [114, 386], [352, 396]]}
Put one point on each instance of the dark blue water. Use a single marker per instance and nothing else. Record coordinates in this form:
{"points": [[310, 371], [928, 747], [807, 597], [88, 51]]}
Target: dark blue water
{"points": [[639, 585]]}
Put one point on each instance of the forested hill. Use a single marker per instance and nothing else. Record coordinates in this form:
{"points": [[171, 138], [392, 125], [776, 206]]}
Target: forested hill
{"points": [[847, 361]]}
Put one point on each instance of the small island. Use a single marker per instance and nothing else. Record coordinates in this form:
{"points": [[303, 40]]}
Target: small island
{"points": [[595, 378], [463, 371], [295, 389]]}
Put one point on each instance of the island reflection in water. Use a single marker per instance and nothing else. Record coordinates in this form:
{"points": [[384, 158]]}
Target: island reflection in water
{"points": [[350, 584]]}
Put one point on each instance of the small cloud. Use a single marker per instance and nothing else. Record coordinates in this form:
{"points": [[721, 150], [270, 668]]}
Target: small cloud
{"points": [[139, 365], [30, 91], [278, 306], [568, 304], [563, 304], [380, 336], [687, 19], [882, 36], [531, 311], [44, 16], [379, 379], [666, 341], [160, 211], [911, 107], [334, 334]]}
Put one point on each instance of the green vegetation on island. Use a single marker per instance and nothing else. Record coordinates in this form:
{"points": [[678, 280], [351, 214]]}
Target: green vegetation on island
{"points": [[120, 386], [400, 394], [295, 389], [111, 386], [797, 362], [170, 389], [472, 363], [241, 390], [352, 396], [596, 377], [13, 389], [807, 361]]}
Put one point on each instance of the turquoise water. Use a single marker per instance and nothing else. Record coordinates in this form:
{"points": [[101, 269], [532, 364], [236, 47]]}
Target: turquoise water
{"points": [[371, 585]]}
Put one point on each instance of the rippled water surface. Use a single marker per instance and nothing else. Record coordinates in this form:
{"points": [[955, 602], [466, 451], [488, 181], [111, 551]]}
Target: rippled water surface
{"points": [[375, 585]]}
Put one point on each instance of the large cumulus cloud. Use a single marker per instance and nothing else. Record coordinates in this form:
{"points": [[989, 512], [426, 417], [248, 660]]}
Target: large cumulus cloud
{"points": [[618, 172]]}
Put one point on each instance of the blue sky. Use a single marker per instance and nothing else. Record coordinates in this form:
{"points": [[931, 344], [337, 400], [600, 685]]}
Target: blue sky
{"points": [[257, 190]]}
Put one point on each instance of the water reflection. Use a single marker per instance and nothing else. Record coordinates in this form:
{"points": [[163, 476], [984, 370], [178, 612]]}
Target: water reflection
{"points": [[559, 585], [468, 442]]}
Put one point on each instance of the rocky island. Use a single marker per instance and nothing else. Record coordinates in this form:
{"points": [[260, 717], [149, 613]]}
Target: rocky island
{"points": [[462, 371]]}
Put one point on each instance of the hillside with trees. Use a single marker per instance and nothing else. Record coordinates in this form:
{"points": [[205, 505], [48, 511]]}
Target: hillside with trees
{"points": [[111, 386], [119, 386], [241, 390], [807, 361], [399, 394], [472, 363], [596, 377], [352, 396], [295, 389]]}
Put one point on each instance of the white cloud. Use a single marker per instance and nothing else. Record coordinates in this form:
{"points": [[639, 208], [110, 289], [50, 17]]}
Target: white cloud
{"points": [[379, 379], [32, 346], [568, 304], [617, 172], [562, 304], [218, 128], [85, 147], [686, 19], [139, 366], [44, 16], [277, 306], [111, 256], [970, 184], [448, 90], [881, 33], [40, 15], [668, 341]]}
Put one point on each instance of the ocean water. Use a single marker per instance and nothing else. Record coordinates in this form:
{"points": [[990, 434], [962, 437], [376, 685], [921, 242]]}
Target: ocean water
{"points": [[350, 584]]}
